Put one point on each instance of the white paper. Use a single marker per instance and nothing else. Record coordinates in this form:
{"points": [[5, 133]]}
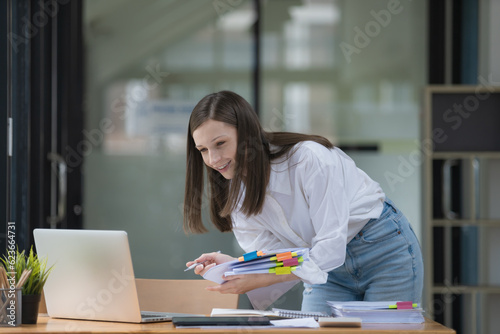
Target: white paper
{"points": [[302, 322], [240, 312], [215, 274], [262, 298]]}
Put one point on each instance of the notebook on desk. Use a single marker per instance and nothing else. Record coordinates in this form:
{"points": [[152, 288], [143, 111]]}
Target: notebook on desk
{"points": [[92, 276]]}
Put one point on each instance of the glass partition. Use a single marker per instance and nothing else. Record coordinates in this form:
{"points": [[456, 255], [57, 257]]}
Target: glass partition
{"points": [[148, 63]]}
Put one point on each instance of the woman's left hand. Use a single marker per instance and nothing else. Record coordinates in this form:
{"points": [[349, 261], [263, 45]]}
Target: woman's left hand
{"points": [[239, 284], [207, 261]]}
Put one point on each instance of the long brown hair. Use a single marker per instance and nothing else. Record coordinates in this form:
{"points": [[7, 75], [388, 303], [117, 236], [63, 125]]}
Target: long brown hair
{"points": [[252, 168]]}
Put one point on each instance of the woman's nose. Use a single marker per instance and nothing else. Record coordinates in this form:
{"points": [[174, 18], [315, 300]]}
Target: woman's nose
{"points": [[214, 157]]}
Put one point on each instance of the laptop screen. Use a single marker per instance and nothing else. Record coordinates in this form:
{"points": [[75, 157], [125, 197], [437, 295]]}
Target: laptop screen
{"points": [[92, 277]]}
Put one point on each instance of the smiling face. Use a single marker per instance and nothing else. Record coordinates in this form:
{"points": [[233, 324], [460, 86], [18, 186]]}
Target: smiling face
{"points": [[217, 143]]}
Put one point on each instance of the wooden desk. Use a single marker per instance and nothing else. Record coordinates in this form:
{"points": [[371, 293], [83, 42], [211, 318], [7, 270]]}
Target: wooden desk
{"points": [[48, 325]]}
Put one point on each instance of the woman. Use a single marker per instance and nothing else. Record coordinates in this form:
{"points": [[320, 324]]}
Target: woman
{"points": [[281, 190]]}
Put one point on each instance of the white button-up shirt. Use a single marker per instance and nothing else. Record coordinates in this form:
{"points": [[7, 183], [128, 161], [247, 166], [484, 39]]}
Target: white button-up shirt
{"points": [[317, 198]]}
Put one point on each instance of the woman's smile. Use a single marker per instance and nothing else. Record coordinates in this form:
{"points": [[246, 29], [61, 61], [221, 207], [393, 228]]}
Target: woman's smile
{"points": [[217, 142]]}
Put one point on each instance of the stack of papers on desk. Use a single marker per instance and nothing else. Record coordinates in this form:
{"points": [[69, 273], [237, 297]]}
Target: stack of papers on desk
{"points": [[377, 312]]}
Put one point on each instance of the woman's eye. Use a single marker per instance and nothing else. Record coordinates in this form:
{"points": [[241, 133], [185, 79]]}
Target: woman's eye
{"points": [[203, 150], [220, 143]]}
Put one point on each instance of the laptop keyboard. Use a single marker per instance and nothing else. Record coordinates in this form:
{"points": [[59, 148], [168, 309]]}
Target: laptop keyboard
{"points": [[153, 315]]}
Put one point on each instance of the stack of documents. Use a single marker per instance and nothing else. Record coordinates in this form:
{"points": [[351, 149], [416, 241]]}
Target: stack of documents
{"points": [[279, 262], [379, 312], [289, 261]]}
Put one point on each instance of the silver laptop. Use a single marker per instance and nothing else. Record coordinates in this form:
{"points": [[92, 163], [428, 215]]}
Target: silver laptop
{"points": [[92, 277]]}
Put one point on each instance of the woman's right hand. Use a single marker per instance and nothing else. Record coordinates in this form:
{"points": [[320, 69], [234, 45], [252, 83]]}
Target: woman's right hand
{"points": [[209, 260]]}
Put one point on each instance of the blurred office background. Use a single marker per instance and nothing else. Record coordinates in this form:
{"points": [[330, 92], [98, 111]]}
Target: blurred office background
{"points": [[127, 74], [149, 62]]}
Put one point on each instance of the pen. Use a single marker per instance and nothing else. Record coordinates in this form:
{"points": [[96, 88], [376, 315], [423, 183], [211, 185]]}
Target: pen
{"points": [[197, 263]]}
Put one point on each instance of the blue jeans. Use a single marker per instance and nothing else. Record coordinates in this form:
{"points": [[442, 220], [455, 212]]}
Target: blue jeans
{"points": [[383, 263]]}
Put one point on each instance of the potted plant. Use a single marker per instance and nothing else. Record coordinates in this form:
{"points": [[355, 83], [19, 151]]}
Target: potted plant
{"points": [[31, 273]]}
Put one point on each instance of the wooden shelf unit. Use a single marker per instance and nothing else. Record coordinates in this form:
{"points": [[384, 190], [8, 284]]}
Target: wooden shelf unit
{"points": [[464, 145]]}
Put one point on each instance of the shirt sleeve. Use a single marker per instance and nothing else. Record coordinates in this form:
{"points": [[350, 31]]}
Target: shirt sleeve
{"points": [[321, 178]]}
